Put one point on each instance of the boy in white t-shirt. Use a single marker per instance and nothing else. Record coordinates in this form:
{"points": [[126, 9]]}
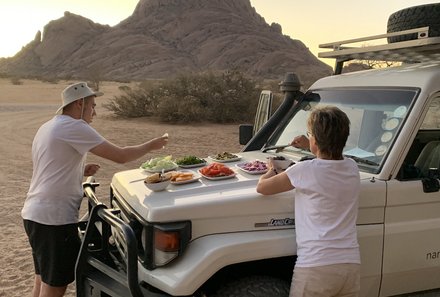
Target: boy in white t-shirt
{"points": [[326, 206]]}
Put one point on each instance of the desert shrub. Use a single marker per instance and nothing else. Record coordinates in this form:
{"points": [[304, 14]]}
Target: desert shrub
{"points": [[131, 104], [150, 84], [51, 80], [220, 98], [16, 81], [233, 98], [278, 96], [124, 88], [95, 75], [180, 111]]}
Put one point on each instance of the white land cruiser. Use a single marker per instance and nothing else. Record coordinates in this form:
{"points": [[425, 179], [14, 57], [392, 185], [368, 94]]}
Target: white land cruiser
{"points": [[221, 238]]}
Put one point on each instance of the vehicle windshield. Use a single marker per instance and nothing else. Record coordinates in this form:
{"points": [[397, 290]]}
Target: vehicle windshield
{"points": [[376, 117]]}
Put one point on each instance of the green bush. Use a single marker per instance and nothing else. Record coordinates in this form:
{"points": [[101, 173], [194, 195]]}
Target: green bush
{"points": [[223, 98], [132, 104]]}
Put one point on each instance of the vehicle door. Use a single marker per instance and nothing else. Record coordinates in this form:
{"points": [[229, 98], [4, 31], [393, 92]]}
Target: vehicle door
{"points": [[411, 258]]}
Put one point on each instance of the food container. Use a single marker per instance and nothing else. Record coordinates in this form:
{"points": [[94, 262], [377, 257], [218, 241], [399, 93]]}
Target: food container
{"points": [[280, 163], [157, 187], [158, 181]]}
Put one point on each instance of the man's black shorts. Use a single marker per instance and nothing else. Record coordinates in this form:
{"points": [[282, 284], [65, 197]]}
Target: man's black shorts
{"points": [[54, 249]]}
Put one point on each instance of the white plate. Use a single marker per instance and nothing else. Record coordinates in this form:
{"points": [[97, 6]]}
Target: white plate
{"points": [[238, 158], [159, 170], [193, 165], [250, 171], [195, 178], [219, 177]]}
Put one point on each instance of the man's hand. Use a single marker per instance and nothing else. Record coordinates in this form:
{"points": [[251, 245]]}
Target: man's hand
{"points": [[159, 142], [91, 169]]}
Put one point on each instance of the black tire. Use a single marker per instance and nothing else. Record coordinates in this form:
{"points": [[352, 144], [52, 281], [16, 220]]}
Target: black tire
{"points": [[414, 17], [254, 286]]}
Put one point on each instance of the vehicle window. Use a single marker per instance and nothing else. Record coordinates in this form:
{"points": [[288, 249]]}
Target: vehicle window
{"points": [[264, 110], [432, 118], [376, 116], [424, 152]]}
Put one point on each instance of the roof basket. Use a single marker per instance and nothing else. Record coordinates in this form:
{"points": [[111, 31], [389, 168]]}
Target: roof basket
{"points": [[422, 49]]}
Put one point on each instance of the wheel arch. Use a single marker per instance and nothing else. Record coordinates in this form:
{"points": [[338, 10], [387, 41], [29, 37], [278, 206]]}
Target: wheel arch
{"points": [[281, 268]]}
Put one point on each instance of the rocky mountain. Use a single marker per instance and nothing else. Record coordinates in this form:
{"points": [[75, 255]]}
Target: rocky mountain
{"points": [[163, 38]]}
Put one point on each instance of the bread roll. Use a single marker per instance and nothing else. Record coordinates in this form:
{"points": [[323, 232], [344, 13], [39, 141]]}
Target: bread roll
{"points": [[154, 178]]}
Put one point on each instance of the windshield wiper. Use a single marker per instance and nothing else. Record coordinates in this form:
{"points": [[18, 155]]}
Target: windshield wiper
{"points": [[362, 160]]}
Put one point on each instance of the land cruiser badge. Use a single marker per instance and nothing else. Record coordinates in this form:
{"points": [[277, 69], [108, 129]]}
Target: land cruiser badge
{"points": [[277, 223]]}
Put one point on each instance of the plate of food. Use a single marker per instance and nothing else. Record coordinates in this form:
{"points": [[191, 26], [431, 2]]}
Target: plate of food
{"points": [[216, 171], [159, 164], [225, 157], [253, 167], [184, 177], [190, 162]]}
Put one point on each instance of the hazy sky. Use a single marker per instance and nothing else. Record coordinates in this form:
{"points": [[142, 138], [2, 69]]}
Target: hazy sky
{"points": [[312, 21]]}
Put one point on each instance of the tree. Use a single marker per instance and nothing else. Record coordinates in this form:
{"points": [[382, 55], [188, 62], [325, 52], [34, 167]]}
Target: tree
{"points": [[95, 75]]}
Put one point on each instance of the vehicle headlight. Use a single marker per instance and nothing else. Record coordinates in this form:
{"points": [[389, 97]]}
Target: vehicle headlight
{"points": [[163, 243]]}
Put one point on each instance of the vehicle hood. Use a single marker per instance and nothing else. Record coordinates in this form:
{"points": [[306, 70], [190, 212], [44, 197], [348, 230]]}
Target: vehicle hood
{"points": [[208, 195], [231, 202]]}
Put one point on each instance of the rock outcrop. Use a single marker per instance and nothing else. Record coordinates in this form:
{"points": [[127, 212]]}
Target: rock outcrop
{"points": [[163, 38]]}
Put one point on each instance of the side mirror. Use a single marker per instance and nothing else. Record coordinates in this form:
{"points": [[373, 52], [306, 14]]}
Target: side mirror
{"points": [[245, 133], [431, 183]]}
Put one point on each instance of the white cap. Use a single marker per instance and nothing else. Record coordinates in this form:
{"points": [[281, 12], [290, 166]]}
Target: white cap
{"points": [[74, 92]]}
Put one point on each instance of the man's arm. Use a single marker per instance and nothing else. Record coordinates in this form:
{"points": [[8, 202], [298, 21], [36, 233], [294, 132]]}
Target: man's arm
{"points": [[126, 154]]}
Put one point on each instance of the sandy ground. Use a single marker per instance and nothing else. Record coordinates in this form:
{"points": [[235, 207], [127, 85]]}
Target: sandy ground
{"points": [[23, 108]]}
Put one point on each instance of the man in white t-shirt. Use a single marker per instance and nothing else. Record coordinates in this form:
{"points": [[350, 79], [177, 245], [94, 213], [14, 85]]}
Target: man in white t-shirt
{"points": [[50, 212], [326, 207]]}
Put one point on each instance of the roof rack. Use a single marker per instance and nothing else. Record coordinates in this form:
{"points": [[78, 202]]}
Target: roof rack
{"points": [[422, 49]]}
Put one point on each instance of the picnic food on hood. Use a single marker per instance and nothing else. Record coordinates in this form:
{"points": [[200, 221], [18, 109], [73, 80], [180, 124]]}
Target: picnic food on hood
{"points": [[189, 160], [157, 178], [159, 163], [216, 169], [178, 176], [254, 166], [225, 156]]}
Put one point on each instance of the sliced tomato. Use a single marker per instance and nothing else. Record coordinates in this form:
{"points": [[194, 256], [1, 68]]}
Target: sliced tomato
{"points": [[216, 169], [225, 170], [217, 165], [214, 172]]}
